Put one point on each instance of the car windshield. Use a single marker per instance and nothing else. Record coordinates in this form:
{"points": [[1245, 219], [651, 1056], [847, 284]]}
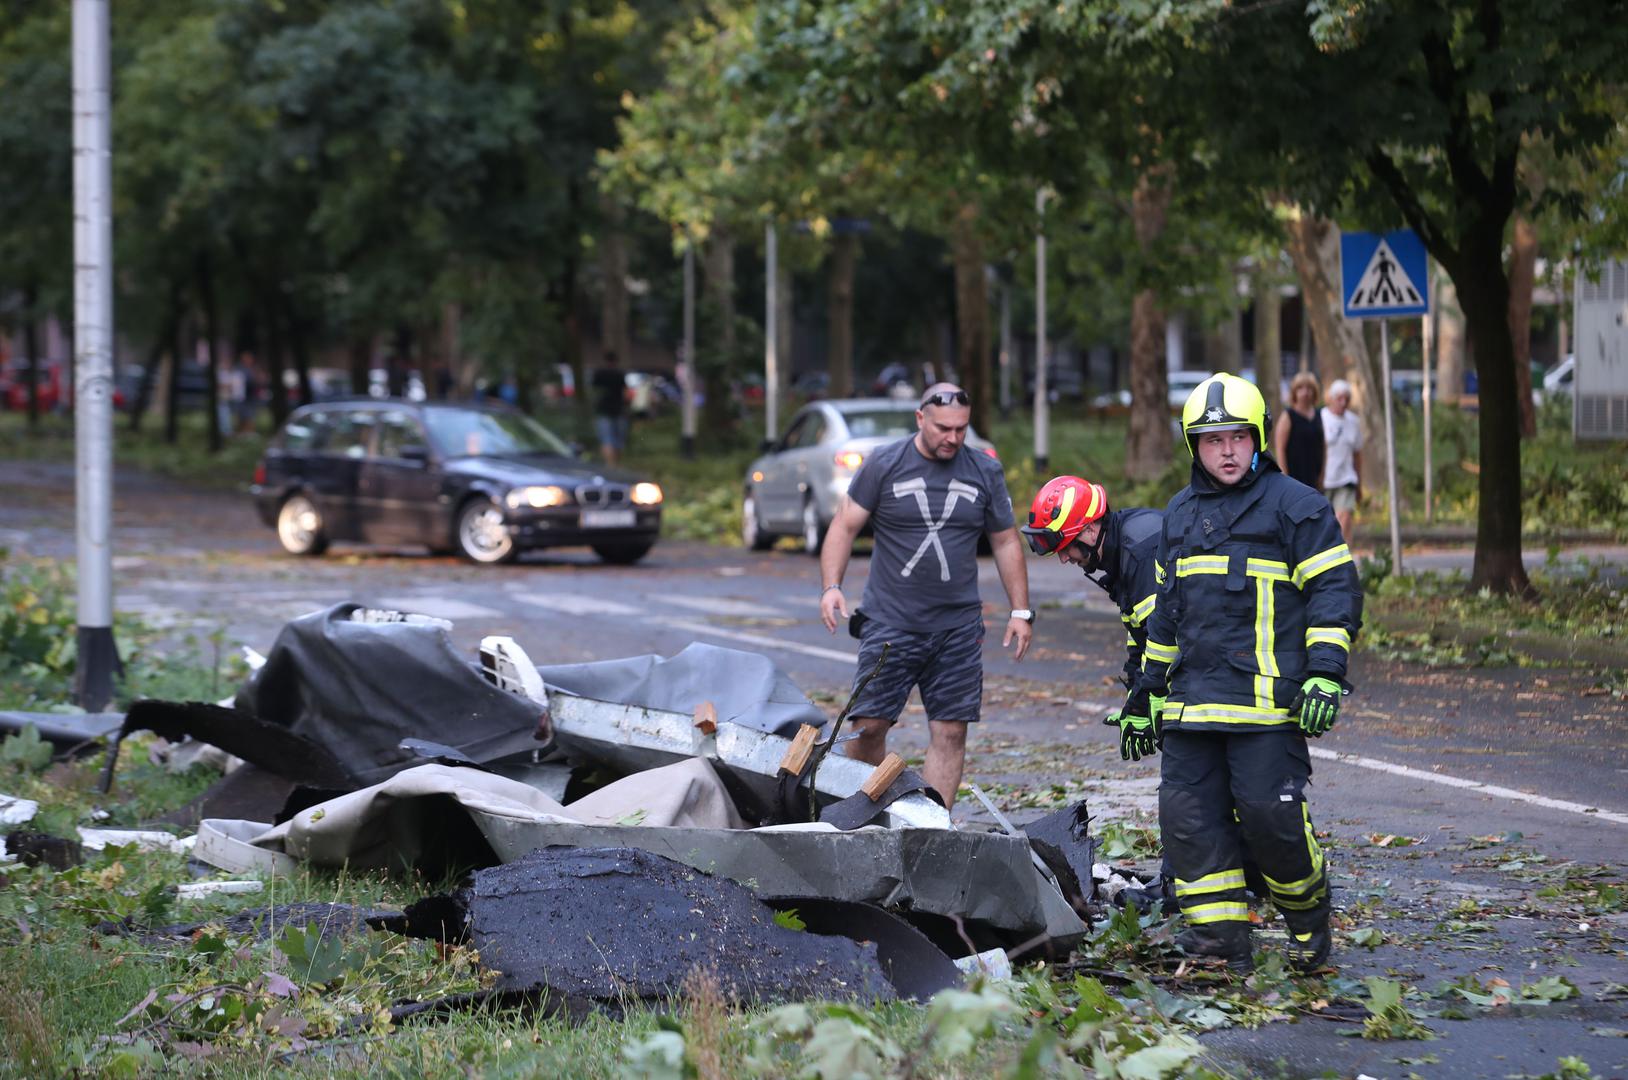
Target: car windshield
{"points": [[468, 432], [884, 423]]}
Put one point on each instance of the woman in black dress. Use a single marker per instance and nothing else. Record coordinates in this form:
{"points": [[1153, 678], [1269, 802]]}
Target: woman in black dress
{"points": [[1297, 437]]}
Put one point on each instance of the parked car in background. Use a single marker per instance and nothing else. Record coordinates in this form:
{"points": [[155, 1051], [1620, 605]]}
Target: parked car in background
{"points": [[484, 481], [794, 489], [48, 379], [1182, 385]]}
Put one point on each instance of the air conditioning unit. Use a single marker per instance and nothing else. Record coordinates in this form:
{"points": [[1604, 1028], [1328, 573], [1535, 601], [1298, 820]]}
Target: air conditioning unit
{"points": [[1600, 388]]}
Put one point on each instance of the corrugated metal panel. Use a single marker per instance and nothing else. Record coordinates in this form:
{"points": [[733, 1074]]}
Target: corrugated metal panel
{"points": [[1602, 416]]}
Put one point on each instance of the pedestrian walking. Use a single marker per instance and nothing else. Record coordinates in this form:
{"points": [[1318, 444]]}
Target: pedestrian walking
{"points": [[1297, 437], [1342, 472], [928, 500], [1260, 601], [610, 408]]}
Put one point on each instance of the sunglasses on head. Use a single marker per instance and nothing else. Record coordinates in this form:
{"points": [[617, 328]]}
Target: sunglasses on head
{"points": [[946, 397]]}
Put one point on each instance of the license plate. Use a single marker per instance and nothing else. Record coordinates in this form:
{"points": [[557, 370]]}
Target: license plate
{"points": [[607, 519]]}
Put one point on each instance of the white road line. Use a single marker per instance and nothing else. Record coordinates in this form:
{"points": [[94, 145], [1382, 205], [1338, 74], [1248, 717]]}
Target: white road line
{"points": [[572, 604], [711, 605], [442, 607], [759, 640], [1470, 785]]}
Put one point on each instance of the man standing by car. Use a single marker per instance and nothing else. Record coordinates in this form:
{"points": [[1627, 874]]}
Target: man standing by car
{"points": [[928, 500], [610, 408], [1246, 656]]}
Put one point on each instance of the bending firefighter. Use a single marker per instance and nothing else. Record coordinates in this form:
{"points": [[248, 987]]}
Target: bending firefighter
{"points": [[1070, 518], [1258, 603]]}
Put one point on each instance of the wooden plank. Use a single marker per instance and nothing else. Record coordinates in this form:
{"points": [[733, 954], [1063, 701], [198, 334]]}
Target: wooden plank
{"points": [[882, 777], [802, 748], [706, 718]]}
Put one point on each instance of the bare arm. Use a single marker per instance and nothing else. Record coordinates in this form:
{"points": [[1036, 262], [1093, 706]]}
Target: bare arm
{"points": [[838, 545], [1014, 572]]}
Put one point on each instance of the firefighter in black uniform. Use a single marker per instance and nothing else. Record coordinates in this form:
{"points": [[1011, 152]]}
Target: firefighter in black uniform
{"points": [[1070, 518], [1257, 606]]}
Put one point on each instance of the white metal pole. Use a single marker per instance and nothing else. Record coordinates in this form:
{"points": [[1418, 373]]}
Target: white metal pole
{"points": [[1427, 340], [771, 336], [1042, 413], [1390, 449], [98, 659], [687, 384]]}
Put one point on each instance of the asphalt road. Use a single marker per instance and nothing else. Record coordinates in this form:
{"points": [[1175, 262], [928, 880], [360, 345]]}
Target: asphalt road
{"points": [[1439, 756]]}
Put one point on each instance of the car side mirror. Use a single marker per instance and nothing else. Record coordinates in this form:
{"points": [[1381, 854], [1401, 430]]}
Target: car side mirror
{"points": [[416, 453]]}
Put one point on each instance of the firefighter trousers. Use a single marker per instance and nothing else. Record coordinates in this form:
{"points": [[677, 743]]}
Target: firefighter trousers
{"points": [[1221, 794]]}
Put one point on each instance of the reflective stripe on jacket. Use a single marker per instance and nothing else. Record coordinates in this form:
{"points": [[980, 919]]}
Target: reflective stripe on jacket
{"points": [[1132, 547], [1257, 593]]}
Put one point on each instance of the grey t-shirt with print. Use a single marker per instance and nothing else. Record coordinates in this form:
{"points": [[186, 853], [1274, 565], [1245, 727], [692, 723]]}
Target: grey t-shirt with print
{"points": [[927, 517]]}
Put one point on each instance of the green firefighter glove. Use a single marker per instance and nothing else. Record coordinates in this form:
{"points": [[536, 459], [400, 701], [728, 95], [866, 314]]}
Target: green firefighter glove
{"points": [[1137, 733], [1317, 704]]}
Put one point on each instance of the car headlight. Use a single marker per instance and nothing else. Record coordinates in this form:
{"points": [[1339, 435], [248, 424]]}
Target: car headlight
{"points": [[537, 497], [646, 493]]}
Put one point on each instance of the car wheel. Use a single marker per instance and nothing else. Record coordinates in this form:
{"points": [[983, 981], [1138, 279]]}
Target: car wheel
{"points": [[299, 526], [813, 532], [480, 534], [753, 538], [623, 554]]}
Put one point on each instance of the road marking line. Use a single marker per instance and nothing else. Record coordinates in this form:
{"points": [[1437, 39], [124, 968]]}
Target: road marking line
{"points": [[1469, 785], [710, 605], [572, 604], [759, 640]]}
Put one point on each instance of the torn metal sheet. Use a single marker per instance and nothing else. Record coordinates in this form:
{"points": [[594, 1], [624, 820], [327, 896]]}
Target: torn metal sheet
{"points": [[746, 688], [982, 878], [64, 730], [912, 963], [616, 925], [408, 820], [1064, 841], [629, 739], [337, 695], [16, 810]]}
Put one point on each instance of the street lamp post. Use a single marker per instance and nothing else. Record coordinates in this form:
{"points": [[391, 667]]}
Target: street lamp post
{"points": [[98, 656], [771, 335], [686, 387], [1042, 407]]}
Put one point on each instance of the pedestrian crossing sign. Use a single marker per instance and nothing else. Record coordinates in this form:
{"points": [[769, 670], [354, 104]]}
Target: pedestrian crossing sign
{"points": [[1384, 275]]}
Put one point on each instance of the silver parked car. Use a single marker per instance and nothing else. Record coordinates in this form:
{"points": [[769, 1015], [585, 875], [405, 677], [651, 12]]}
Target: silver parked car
{"points": [[794, 489]]}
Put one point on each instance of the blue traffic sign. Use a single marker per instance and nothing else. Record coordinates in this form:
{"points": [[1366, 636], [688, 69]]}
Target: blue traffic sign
{"points": [[1384, 275]]}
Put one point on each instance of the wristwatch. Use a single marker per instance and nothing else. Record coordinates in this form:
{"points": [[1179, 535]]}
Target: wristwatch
{"points": [[1023, 613]]}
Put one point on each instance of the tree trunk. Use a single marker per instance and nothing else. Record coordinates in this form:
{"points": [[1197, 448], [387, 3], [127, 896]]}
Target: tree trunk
{"points": [[613, 267], [1448, 385], [463, 372], [1223, 344], [717, 360], [31, 345], [1484, 291], [840, 268], [155, 358], [1147, 437], [275, 362], [784, 310], [206, 296], [1342, 350], [297, 345], [1268, 338], [172, 382], [361, 362], [1523, 260], [972, 317]]}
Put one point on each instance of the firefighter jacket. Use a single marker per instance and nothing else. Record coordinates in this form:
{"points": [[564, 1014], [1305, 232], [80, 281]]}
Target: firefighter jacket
{"points": [[1257, 593], [1130, 546]]}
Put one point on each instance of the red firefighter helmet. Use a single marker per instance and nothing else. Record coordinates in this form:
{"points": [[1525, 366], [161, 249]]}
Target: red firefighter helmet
{"points": [[1061, 511]]}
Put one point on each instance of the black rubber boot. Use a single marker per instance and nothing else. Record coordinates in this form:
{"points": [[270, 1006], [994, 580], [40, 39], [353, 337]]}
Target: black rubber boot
{"points": [[1222, 941], [1309, 949]]}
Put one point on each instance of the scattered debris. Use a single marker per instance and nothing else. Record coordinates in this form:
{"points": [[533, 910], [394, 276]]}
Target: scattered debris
{"points": [[198, 890], [610, 926]]}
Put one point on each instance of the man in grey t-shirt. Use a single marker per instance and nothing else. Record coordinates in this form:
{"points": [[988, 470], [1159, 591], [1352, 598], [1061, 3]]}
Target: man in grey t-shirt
{"points": [[928, 500]]}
